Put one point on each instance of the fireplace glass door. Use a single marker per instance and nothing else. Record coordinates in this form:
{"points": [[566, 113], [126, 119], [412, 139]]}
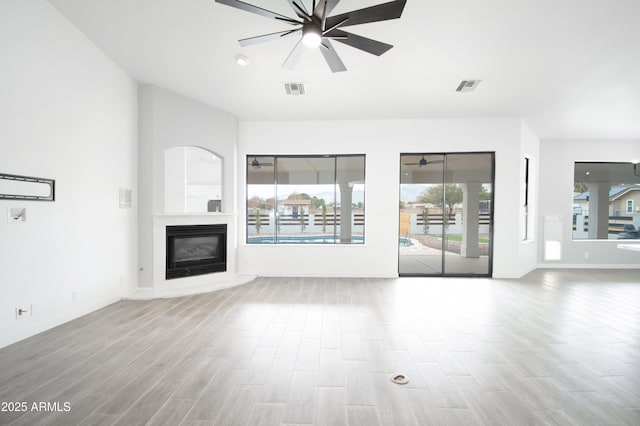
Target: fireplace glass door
{"points": [[196, 250]]}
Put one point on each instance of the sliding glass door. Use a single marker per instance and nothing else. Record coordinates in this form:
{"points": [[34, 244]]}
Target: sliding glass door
{"points": [[446, 214]]}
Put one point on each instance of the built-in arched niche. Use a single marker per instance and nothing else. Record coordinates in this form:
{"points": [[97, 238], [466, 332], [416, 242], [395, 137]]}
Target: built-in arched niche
{"points": [[192, 180]]}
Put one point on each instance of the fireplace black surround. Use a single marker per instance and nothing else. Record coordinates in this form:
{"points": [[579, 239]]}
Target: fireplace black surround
{"points": [[196, 250]]}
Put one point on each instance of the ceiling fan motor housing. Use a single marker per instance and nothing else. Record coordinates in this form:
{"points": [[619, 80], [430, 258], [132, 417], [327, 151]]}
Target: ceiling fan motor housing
{"points": [[311, 33], [319, 29]]}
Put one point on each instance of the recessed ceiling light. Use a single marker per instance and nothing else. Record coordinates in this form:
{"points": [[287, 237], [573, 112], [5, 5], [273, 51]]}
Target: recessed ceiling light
{"points": [[242, 60]]}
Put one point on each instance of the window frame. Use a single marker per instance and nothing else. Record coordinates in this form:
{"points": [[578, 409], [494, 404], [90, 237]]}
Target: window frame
{"points": [[527, 164], [621, 177], [335, 210]]}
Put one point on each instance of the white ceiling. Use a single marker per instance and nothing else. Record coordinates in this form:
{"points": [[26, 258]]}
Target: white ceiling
{"points": [[570, 68]]}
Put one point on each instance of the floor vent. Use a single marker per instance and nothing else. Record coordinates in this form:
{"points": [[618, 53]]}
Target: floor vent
{"points": [[294, 89], [467, 85], [400, 379]]}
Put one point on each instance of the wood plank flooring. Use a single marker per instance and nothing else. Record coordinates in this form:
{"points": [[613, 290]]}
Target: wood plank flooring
{"points": [[558, 347]]}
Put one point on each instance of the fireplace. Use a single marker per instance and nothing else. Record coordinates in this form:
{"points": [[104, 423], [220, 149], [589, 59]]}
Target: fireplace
{"points": [[196, 250]]}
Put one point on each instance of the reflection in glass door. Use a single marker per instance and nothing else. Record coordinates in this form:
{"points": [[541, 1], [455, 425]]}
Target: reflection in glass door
{"points": [[446, 214]]}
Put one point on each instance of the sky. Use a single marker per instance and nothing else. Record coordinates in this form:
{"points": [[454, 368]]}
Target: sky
{"points": [[321, 191]]}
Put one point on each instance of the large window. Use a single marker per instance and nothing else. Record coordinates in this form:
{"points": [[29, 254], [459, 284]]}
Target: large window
{"points": [[315, 199], [604, 196]]}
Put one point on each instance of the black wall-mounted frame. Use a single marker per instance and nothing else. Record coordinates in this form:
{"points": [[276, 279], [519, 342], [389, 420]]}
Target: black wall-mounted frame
{"points": [[51, 183]]}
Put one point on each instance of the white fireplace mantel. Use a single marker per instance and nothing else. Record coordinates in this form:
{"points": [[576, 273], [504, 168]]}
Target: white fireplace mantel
{"points": [[197, 284]]}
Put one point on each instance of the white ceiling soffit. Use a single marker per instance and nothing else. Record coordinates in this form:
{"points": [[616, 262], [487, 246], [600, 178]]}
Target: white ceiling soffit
{"points": [[569, 68]]}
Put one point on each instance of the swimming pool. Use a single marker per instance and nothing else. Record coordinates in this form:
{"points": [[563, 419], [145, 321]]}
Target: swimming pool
{"points": [[406, 242], [303, 239], [313, 239]]}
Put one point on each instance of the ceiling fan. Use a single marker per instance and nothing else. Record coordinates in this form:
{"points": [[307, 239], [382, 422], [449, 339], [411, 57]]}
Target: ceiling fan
{"points": [[318, 28], [257, 164], [423, 162]]}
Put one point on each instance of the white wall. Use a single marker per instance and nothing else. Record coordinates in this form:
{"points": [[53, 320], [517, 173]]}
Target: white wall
{"points": [[382, 142], [168, 120], [556, 189], [67, 113]]}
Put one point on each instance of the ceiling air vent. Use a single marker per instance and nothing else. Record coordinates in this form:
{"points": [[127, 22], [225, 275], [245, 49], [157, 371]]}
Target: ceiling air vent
{"points": [[467, 85], [294, 89]]}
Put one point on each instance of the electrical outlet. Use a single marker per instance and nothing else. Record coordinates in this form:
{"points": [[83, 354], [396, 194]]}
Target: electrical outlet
{"points": [[21, 313], [586, 254], [75, 296]]}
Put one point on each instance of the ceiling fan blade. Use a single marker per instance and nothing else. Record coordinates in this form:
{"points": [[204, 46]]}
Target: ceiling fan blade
{"points": [[294, 56], [266, 37], [331, 4], [258, 11], [410, 164], [380, 12], [299, 9], [267, 164], [331, 56], [363, 43]]}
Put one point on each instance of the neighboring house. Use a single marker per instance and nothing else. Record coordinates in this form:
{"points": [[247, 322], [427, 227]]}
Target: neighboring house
{"points": [[624, 200], [419, 206], [581, 203], [294, 207]]}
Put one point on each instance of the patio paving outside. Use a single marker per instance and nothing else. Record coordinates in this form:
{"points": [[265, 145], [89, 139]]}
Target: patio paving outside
{"points": [[418, 258]]}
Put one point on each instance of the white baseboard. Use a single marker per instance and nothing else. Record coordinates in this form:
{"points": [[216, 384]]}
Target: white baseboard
{"points": [[69, 314], [588, 266], [160, 292], [287, 274]]}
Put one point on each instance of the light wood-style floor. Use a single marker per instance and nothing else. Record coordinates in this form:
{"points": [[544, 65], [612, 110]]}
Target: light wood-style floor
{"points": [[556, 347]]}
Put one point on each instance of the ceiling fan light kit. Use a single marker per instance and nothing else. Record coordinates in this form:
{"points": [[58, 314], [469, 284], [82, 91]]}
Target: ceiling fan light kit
{"points": [[311, 35], [317, 28]]}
